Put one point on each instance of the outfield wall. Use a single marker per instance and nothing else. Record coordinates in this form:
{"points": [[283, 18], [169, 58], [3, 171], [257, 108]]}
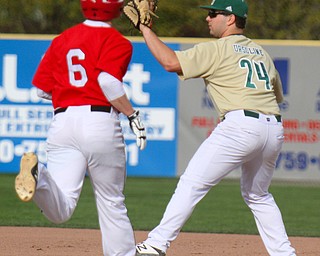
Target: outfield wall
{"points": [[178, 115]]}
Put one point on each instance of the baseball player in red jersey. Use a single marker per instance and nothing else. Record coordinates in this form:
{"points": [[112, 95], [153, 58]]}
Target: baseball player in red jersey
{"points": [[244, 85], [81, 73]]}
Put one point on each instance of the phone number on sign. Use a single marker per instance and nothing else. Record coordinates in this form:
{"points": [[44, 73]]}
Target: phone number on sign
{"points": [[297, 161], [9, 150]]}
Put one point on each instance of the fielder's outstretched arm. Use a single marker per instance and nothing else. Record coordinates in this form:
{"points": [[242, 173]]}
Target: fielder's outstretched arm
{"points": [[164, 55]]}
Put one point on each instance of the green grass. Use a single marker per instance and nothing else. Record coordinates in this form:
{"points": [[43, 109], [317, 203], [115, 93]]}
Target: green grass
{"points": [[221, 211]]}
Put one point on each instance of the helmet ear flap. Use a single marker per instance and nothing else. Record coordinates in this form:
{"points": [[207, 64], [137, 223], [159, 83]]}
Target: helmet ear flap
{"points": [[101, 10]]}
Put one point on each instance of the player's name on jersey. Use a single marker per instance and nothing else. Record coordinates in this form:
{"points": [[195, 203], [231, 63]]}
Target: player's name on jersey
{"points": [[247, 50]]}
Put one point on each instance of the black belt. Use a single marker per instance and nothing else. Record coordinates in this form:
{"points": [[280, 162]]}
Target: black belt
{"points": [[93, 109], [256, 115]]}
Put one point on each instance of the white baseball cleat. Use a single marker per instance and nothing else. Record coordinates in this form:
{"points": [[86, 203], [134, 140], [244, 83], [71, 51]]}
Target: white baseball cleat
{"points": [[144, 249], [26, 180]]}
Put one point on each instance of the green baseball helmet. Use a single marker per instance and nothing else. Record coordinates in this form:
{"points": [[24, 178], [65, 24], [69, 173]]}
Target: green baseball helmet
{"points": [[236, 7]]}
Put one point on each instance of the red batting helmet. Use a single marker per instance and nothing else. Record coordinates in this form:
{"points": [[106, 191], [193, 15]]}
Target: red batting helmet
{"points": [[101, 9]]}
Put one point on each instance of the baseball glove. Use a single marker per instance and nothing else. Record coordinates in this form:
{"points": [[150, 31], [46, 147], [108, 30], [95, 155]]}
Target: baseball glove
{"points": [[140, 12], [138, 129]]}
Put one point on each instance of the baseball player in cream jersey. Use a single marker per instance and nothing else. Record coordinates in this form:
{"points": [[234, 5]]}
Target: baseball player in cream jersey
{"points": [[81, 72], [245, 87]]}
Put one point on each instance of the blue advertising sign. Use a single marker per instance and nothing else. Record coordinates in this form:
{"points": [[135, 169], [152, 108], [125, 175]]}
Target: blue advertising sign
{"points": [[25, 118], [155, 92]]}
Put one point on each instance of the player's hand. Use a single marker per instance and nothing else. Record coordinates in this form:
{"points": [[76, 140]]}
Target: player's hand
{"points": [[138, 129]]}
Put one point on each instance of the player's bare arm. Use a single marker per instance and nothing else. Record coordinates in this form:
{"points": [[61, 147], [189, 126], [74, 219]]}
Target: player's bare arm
{"points": [[164, 55], [140, 13], [123, 105]]}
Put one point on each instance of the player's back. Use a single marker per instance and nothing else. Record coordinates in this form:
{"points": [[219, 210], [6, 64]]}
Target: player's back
{"points": [[244, 77], [77, 56], [88, 39]]}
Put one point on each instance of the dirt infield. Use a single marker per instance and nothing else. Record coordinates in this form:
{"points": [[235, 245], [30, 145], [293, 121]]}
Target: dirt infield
{"points": [[24, 241]]}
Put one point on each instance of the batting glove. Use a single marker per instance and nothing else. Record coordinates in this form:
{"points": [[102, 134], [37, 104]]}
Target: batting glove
{"points": [[138, 129]]}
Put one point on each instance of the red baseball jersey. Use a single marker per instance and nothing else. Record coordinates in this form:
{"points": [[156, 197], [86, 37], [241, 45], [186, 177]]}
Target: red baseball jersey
{"points": [[71, 65]]}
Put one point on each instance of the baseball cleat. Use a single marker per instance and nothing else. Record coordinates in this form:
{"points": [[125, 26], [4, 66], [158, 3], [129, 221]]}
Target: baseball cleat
{"points": [[144, 249], [26, 180]]}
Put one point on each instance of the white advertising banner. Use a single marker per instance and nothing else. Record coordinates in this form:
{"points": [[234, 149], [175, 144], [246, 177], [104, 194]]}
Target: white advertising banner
{"points": [[299, 66]]}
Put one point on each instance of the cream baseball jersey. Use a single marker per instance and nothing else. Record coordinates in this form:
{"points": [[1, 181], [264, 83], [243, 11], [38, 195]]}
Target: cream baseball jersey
{"points": [[70, 68], [238, 74]]}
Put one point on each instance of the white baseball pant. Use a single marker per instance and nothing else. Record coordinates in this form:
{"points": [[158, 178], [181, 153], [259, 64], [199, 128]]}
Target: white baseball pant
{"points": [[239, 141], [78, 141]]}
